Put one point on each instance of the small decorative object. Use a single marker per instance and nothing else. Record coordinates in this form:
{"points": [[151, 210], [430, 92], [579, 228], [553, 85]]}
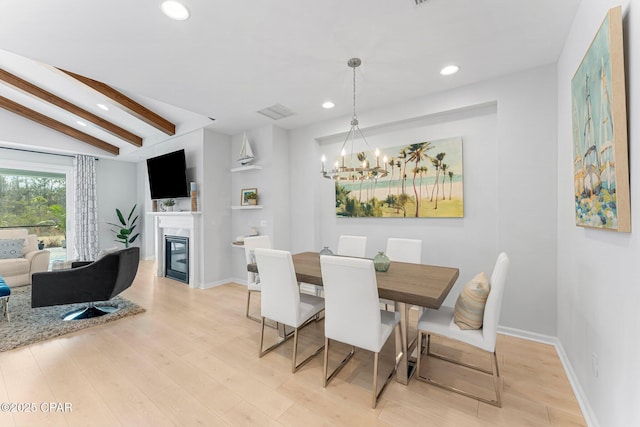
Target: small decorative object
{"points": [[41, 244], [381, 262], [194, 197], [168, 205], [154, 206], [246, 154], [124, 231], [326, 251], [249, 196]]}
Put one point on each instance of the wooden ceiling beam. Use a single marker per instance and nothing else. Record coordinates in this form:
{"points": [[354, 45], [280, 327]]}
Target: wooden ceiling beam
{"points": [[30, 114], [49, 97], [132, 107]]}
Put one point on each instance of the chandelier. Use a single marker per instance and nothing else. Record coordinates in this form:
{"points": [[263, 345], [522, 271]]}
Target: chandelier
{"points": [[360, 162]]}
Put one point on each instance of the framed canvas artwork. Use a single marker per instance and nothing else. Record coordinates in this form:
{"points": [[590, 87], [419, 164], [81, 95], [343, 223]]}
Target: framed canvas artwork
{"points": [[248, 196], [423, 180], [600, 159]]}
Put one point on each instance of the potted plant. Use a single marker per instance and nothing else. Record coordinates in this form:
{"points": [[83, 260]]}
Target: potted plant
{"points": [[169, 204], [252, 198], [124, 232]]}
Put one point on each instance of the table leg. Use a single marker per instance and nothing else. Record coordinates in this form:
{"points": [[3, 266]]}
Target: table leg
{"points": [[406, 367]]}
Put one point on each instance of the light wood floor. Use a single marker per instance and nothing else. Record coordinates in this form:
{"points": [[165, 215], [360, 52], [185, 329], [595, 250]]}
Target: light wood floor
{"points": [[191, 359]]}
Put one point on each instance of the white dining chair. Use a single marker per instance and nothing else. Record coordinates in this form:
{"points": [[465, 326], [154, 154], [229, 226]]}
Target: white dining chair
{"points": [[253, 279], [441, 322], [353, 246], [282, 301], [353, 315], [402, 250]]}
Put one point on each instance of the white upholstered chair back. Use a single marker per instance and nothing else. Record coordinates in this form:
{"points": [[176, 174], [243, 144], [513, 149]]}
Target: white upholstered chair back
{"points": [[352, 312], [280, 292], [354, 246], [251, 243], [404, 250], [494, 302]]}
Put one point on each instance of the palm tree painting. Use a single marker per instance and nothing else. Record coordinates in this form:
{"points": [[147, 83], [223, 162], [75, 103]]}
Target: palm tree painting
{"points": [[423, 180]]}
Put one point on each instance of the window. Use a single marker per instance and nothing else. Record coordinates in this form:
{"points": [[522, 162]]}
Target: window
{"points": [[36, 201]]}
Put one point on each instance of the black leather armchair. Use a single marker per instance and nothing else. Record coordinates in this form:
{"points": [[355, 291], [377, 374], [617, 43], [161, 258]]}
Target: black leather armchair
{"points": [[96, 281]]}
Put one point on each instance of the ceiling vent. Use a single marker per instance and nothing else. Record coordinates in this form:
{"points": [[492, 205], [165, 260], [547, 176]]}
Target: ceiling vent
{"points": [[276, 112]]}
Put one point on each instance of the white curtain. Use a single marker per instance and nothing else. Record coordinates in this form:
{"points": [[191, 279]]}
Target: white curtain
{"points": [[86, 208]]}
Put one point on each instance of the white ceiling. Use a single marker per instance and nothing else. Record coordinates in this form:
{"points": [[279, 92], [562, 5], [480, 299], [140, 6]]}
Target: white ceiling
{"points": [[232, 58]]}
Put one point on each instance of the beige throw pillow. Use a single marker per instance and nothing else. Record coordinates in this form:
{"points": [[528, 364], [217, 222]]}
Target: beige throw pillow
{"points": [[469, 310]]}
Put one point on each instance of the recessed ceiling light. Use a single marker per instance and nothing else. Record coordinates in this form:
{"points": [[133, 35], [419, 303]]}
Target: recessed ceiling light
{"points": [[328, 105], [175, 10], [449, 69], [103, 107], [81, 123]]}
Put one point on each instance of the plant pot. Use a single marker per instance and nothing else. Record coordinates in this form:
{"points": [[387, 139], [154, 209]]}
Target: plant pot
{"points": [[253, 202]]}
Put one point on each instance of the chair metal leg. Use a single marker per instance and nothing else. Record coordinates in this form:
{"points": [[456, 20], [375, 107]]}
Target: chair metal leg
{"points": [[494, 373], [294, 367], [496, 380], [262, 351], [374, 389], [326, 380], [376, 364], [375, 394], [294, 334], [256, 319]]}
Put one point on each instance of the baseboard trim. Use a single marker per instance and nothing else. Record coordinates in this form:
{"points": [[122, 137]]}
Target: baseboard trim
{"points": [[216, 283], [531, 336], [581, 397]]}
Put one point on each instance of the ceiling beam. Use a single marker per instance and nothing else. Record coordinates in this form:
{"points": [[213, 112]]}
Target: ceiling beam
{"points": [[49, 97], [132, 107], [30, 114]]}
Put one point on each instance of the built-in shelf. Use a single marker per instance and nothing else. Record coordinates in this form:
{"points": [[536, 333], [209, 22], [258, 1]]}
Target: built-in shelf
{"points": [[247, 168], [246, 207]]}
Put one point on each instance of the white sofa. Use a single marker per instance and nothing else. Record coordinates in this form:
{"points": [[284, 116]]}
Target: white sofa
{"points": [[18, 271]]}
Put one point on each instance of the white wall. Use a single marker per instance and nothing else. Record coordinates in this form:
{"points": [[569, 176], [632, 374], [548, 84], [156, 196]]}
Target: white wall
{"points": [[509, 140], [598, 288], [116, 188], [270, 145], [215, 198]]}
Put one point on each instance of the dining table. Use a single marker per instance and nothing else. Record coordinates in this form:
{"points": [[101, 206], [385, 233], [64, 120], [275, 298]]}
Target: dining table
{"points": [[406, 284]]}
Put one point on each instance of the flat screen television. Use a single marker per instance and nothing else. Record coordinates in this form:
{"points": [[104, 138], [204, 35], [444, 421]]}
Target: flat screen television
{"points": [[168, 176]]}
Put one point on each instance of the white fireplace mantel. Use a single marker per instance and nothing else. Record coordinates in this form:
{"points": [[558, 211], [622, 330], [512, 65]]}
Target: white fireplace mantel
{"points": [[186, 224]]}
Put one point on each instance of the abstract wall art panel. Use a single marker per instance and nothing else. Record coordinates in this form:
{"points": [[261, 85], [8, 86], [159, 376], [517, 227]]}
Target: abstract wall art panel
{"points": [[600, 159]]}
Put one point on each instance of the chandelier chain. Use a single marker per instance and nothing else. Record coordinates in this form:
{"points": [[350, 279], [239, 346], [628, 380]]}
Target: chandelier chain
{"points": [[354, 92]]}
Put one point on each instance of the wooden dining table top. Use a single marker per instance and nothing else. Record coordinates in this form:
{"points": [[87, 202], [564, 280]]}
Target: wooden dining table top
{"points": [[417, 284]]}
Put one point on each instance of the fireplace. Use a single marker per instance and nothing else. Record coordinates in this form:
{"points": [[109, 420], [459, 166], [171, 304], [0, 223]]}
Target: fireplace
{"points": [[177, 258]]}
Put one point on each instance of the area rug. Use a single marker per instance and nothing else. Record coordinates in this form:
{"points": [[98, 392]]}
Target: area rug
{"points": [[29, 325]]}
